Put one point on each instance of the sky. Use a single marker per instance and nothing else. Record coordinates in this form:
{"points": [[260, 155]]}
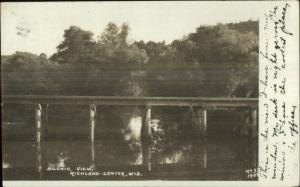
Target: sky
{"points": [[39, 27]]}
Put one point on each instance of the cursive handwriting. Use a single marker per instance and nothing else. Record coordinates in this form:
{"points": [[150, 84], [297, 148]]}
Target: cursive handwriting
{"points": [[279, 128]]}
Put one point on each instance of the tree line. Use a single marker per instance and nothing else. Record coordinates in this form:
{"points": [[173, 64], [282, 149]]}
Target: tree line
{"points": [[214, 61]]}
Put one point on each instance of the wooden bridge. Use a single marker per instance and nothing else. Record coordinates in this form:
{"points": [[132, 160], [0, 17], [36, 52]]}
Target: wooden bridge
{"points": [[200, 104]]}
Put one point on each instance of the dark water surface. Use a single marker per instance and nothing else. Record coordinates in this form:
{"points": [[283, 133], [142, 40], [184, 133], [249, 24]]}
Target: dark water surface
{"points": [[224, 160], [177, 152]]}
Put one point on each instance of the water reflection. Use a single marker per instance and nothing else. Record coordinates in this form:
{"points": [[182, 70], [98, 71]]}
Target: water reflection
{"points": [[5, 165], [175, 146], [214, 154], [60, 162]]}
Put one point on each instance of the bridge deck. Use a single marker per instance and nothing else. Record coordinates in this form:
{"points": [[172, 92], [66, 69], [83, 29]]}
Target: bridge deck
{"points": [[132, 101]]}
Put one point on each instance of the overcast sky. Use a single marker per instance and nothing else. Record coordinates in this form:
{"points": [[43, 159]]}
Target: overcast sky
{"points": [[39, 27]]}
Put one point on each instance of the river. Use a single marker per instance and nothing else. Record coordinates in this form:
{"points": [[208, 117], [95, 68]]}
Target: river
{"points": [[178, 153]]}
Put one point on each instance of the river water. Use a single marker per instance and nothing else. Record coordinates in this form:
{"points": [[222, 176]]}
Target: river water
{"points": [[177, 152]]}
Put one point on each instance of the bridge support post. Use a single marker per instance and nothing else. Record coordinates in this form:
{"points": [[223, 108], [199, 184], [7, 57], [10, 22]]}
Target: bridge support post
{"points": [[39, 159], [254, 123], [202, 118], [202, 121], [203, 155], [92, 121], [146, 138], [245, 125], [254, 153], [38, 122], [93, 165]]}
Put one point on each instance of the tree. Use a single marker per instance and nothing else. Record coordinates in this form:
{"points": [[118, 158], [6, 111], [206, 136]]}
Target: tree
{"points": [[114, 36], [113, 47], [228, 57], [26, 73], [114, 51], [77, 47]]}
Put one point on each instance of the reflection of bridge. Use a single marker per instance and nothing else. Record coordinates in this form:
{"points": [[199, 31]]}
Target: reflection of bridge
{"points": [[200, 104]]}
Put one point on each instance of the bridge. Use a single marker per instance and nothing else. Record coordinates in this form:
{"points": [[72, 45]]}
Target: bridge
{"points": [[201, 105]]}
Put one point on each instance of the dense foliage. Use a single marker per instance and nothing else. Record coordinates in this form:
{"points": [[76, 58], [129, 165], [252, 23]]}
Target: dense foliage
{"points": [[220, 60]]}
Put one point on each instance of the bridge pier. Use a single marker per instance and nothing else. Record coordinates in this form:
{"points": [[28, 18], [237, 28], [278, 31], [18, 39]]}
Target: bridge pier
{"points": [[93, 111], [202, 119], [39, 159], [245, 125], [146, 138], [254, 123], [93, 165], [38, 122], [203, 154]]}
